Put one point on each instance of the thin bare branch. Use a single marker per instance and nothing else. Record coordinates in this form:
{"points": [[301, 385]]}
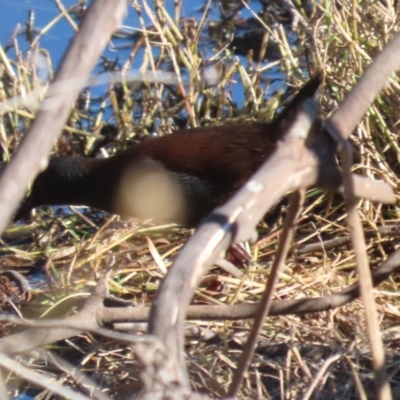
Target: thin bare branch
{"points": [[375, 77], [364, 273], [297, 200], [38, 379]]}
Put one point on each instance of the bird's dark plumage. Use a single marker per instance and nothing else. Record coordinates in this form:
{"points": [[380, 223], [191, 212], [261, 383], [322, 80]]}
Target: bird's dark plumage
{"points": [[198, 169]]}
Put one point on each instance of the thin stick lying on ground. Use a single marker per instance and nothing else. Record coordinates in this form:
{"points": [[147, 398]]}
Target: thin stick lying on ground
{"points": [[71, 370], [94, 314], [39, 379], [387, 230]]}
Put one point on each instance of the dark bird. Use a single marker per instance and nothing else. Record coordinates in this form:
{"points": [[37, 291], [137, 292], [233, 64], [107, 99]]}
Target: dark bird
{"points": [[175, 178]]}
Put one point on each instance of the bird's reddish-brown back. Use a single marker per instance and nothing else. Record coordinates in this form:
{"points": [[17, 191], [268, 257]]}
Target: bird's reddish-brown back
{"points": [[198, 169]]}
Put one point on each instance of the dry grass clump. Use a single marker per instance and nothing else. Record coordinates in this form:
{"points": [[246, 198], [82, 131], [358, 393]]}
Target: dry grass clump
{"points": [[314, 356]]}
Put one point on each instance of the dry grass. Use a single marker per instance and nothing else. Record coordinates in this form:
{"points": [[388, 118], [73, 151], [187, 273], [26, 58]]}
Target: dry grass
{"points": [[71, 250]]}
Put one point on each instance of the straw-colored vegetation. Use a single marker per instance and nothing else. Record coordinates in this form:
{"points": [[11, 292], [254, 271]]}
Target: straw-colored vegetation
{"points": [[65, 254]]}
